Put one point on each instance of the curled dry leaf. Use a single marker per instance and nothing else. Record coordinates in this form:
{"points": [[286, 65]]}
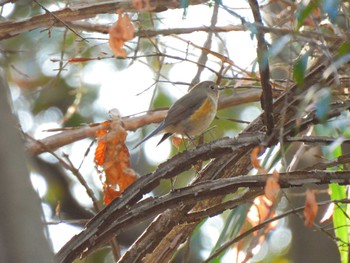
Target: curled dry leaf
{"points": [[112, 160], [260, 211], [272, 186], [311, 208], [120, 32], [254, 159]]}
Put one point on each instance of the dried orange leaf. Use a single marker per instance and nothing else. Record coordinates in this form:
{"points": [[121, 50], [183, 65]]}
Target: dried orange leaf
{"points": [[120, 32], [272, 186], [260, 211], [311, 208], [110, 194], [254, 158], [112, 159], [101, 146]]}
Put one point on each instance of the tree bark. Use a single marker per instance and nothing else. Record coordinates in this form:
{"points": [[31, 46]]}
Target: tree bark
{"points": [[21, 229]]}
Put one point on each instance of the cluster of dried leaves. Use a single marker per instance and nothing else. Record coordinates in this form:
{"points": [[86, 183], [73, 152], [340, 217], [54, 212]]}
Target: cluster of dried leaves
{"points": [[112, 159], [262, 204], [120, 32]]}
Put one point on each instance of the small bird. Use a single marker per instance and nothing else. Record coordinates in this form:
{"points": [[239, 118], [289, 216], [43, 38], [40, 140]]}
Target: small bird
{"points": [[191, 114]]}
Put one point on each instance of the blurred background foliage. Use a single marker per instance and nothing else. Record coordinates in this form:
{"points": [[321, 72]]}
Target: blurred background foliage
{"points": [[50, 92]]}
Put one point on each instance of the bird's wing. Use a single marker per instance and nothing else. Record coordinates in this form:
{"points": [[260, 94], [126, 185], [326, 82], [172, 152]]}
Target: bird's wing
{"points": [[182, 109]]}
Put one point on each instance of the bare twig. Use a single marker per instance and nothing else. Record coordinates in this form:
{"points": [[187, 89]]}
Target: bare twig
{"points": [[97, 205], [58, 19], [203, 58], [264, 70]]}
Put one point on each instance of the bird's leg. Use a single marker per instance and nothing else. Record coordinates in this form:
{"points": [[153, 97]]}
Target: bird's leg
{"points": [[190, 139], [172, 182]]}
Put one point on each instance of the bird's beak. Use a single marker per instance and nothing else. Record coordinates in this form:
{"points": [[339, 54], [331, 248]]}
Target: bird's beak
{"points": [[221, 87]]}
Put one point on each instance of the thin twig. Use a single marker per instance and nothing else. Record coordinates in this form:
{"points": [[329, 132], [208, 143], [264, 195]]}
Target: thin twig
{"points": [[264, 69], [60, 20], [203, 58], [97, 205]]}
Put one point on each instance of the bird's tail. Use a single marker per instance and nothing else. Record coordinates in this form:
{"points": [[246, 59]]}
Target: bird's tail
{"points": [[154, 132]]}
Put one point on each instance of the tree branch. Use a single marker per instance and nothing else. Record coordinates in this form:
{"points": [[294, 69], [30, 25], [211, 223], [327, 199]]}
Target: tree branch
{"points": [[264, 70], [228, 165], [68, 136], [10, 29], [136, 213], [230, 152]]}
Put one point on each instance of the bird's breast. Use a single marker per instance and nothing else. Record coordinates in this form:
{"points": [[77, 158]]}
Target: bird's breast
{"points": [[201, 118]]}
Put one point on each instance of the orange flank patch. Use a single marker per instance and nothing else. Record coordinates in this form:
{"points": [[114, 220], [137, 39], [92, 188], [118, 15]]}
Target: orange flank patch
{"points": [[206, 108]]}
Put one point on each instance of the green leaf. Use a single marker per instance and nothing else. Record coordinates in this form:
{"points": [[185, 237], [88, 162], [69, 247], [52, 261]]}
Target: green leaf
{"points": [[277, 47], [331, 7], [184, 4], [233, 225], [322, 105], [299, 70], [344, 49], [304, 12], [161, 100], [340, 221]]}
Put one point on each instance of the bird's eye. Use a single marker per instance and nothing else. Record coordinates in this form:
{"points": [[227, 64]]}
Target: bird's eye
{"points": [[212, 87]]}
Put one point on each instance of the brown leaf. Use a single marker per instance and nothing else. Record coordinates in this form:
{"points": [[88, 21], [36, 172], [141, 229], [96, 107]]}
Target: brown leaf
{"points": [[112, 159], [110, 194], [120, 32], [260, 211], [272, 186], [311, 208], [254, 158]]}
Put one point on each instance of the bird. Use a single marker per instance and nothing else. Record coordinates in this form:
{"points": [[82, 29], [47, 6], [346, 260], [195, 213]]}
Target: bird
{"points": [[190, 115]]}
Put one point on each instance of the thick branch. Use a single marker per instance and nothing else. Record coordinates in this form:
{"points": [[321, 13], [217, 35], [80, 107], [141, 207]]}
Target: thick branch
{"points": [[181, 162], [150, 207], [79, 12]]}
